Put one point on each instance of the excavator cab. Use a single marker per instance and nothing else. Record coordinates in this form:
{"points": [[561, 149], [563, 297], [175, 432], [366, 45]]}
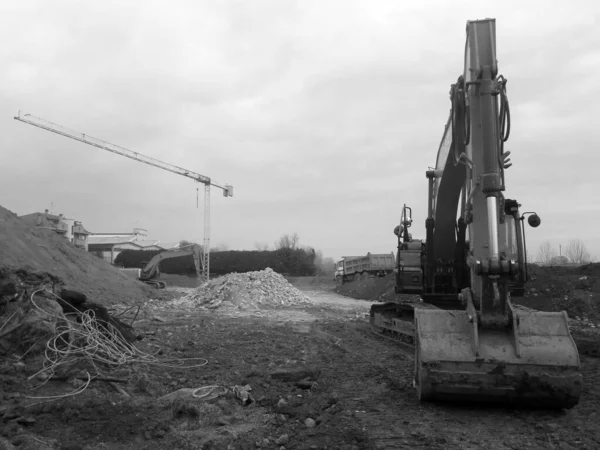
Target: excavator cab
{"points": [[514, 247], [409, 270], [151, 269], [484, 349]]}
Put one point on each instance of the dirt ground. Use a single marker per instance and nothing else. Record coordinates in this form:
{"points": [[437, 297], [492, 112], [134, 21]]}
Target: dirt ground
{"points": [[319, 379]]}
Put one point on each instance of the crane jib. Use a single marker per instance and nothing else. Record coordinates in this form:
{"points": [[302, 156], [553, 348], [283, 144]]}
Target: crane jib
{"points": [[136, 156]]}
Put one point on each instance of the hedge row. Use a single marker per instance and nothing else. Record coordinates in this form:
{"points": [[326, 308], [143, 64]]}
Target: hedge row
{"points": [[289, 261]]}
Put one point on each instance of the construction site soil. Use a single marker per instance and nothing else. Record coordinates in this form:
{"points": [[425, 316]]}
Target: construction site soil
{"points": [[38, 250], [227, 366]]}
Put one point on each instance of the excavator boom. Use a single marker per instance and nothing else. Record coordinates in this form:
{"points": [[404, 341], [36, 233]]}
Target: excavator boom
{"points": [[151, 269], [484, 349]]}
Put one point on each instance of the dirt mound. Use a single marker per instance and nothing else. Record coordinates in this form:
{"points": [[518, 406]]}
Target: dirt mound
{"points": [[575, 290], [40, 250], [250, 290], [373, 288]]}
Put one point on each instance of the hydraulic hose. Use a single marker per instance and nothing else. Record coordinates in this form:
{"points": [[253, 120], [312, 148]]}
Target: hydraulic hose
{"points": [[504, 124]]}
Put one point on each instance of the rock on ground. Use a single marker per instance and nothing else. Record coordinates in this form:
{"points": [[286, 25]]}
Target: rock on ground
{"points": [[250, 290]]}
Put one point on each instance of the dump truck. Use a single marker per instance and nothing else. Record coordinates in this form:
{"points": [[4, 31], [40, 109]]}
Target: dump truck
{"points": [[352, 268]]}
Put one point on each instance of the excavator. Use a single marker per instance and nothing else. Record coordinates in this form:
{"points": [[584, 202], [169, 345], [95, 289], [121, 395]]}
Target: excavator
{"points": [[471, 344], [151, 271]]}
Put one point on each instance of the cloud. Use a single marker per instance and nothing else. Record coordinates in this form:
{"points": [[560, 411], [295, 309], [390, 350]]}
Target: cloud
{"points": [[324, 115]]}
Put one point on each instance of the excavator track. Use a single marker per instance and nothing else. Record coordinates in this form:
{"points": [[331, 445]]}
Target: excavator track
{"points": [[394, 321], [407, 345], [156, 284]]}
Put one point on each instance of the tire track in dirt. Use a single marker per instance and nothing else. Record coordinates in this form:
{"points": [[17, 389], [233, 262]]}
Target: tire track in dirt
{"points": [[375, 377], [369, 372]]}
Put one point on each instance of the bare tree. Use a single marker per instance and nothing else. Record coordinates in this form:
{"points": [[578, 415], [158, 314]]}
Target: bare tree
{"points": [[328, 265], [318, 259], [290, 241], [545, 253], [325, 264], [261, 246], [529, 257], [577, 252]]}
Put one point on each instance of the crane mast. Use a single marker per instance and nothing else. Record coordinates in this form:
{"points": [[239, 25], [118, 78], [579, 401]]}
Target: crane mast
{"points": [[117, 149]]}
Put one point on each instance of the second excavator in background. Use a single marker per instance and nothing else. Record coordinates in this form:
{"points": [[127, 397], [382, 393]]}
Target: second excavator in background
{"points": [[471, 343], [151, 271]]}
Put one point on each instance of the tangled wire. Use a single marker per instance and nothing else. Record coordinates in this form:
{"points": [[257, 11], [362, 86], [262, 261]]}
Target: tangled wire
{"points": [[87, 340]]}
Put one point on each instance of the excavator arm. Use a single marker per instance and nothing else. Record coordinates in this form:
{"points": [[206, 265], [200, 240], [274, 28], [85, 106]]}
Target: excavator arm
{"points": [[151, 269], [485, 349]]}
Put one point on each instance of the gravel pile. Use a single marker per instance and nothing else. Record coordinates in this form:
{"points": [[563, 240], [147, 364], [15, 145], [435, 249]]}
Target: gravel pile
{"points": [[250, 290]]}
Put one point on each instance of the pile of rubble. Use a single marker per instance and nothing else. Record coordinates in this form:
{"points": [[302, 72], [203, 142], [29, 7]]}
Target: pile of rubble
{"points": [[250, 290]]}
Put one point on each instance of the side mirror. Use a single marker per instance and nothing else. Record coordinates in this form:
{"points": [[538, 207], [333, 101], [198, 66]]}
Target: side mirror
{"points": [[534, 220], [406, 216]]}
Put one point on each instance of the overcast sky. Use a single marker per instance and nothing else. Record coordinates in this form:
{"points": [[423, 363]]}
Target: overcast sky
{"points": [[323, 115]]}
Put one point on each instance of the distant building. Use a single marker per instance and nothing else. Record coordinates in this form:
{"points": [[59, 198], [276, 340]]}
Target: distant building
{"points": [[140, 245], [70, 229], [108, 245], [80, 236]]}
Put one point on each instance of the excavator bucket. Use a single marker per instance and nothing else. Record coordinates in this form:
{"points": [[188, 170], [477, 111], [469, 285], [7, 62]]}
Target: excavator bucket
{"points": [[534, 363]]}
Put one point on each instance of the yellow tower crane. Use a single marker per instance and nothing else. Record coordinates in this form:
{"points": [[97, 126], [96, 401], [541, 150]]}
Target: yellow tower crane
{"points": [[86, 139]]}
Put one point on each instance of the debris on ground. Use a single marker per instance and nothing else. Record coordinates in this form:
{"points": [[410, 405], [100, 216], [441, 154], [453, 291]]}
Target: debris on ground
{"points": [[52, 333], [271, 382], [249, 290], [32, 305]]}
